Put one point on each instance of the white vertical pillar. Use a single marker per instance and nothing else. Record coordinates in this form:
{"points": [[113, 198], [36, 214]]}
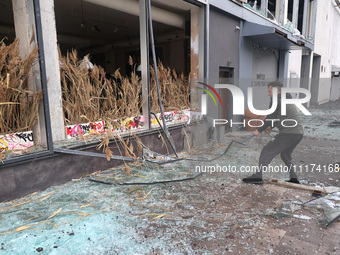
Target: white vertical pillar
{"points": [[264, 7], [305, 18], [281, 11], [283, 67], [285, 12], [295, 13], [49, 33], [306, 71], [313, 17]]}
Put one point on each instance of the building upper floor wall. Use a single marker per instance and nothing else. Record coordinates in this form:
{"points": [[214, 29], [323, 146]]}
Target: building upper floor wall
{"points": [[327, 36], [293, 19], [335, 56]]}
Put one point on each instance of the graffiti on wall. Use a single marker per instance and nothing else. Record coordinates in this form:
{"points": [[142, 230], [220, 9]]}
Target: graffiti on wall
{"points": [[102, 126], [172, 117], [124, 125], [81, 129], [17, 141]]}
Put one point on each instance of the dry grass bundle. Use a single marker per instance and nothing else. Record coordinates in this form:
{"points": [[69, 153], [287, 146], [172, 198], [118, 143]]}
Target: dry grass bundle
{"points": [[174, 89], [19, 105], [89, 95]]}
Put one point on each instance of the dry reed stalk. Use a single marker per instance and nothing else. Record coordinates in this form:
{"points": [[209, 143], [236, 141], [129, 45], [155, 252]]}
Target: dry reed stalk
{"points": [[174, 89], [89, 95], [19, 106], [187, 137]]}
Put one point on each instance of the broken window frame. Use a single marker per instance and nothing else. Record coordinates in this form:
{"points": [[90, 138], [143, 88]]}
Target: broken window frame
{"points": [[202, 69], [49, 143]]}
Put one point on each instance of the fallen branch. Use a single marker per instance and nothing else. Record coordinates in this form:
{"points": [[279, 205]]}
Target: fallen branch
{"points": [[297, 186]]}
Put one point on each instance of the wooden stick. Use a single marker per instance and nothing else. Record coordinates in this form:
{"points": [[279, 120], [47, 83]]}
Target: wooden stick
{"points": [[297, 186]]}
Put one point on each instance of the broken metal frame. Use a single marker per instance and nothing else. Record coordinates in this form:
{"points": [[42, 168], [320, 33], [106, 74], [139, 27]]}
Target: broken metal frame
{"points": [[146, 183], [198, 160], [166, 161], [164, 131], [92, 154], [145, 25], [330, 222], [145, 70], [152, 41], [43, 75]]}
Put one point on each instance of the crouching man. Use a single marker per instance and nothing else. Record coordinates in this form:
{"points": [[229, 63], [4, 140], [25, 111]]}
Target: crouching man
{"points": [[283, 143]]}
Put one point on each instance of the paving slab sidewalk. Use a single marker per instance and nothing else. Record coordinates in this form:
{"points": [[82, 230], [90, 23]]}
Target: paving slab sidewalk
{"points": [[213, 214]]}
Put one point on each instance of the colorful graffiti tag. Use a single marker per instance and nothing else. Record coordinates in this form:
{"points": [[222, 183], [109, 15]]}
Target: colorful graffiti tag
{"points": [[102, 126], [172, 117], [81, 129], [17, 141], [124, 125]]}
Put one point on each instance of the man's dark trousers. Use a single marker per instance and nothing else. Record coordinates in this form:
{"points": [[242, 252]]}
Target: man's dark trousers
{"points": [[283, 143]]}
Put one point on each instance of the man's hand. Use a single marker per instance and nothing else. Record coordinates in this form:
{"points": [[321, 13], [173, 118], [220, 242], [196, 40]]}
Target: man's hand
{"points": [[268, 130], [256, 133]]}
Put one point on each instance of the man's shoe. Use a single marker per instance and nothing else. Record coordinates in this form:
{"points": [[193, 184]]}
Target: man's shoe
{"points": [[294, 180], [253, 180]]}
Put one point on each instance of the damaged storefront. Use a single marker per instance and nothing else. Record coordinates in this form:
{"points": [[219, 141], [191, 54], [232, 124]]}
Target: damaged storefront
{"points": [[93, 75]]}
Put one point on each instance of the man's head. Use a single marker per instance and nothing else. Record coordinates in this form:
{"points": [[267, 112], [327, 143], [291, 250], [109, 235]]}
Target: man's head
{"points": [[274, 84]]}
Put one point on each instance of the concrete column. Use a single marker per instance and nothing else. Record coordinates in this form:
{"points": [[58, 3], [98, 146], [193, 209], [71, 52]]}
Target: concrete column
{"points": [[305, 18], [285, 12], [283, 67], [313, 16], [194, 43], [201, 39], [207, 41], [315, 80], [52, 69], [306, 71], [24, 23], [281, 11], [194, 56], [295, 12], [245, 65], [264, 7]]}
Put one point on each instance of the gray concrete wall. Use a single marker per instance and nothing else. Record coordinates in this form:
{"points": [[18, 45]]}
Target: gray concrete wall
{"points": [[335, 89], [223, 50], [315, 80], [306, 72], [265, 69]]}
